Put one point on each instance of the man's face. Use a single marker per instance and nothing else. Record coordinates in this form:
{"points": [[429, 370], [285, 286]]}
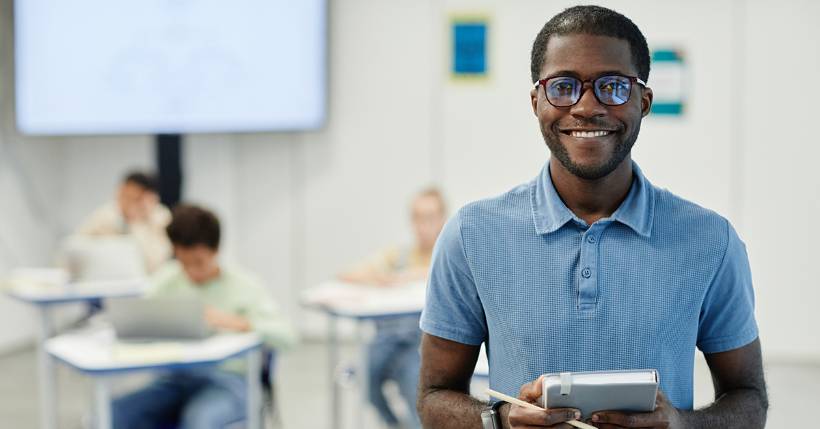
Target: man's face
{"points": [[135, 202], [588, 57], [200, 262], [129, 198], [428, 220]]}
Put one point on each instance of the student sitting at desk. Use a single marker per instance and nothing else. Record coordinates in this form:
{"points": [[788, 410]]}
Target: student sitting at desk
{"points": [[235, 301], [136, 212], [394, 353]]}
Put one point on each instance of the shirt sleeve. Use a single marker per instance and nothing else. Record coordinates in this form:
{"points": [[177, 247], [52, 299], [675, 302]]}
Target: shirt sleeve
{"points": [[152, 239], [453, 309], [267, 320], [727, 320], [162, 283], [105, 220]]}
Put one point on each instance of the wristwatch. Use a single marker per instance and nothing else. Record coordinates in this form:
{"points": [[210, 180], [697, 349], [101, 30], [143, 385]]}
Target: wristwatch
{"points": [[491, 416]]}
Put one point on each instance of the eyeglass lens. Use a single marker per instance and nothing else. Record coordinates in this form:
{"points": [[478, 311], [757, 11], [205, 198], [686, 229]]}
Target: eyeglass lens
{"points": [[565, 91]]}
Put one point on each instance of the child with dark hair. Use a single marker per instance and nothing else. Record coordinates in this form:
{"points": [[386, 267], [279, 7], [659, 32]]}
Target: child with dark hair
{"points": [[235, 302]]}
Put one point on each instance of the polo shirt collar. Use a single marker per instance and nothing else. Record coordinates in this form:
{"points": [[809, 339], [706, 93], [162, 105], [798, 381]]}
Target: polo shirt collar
{"points": [[550, 213]]}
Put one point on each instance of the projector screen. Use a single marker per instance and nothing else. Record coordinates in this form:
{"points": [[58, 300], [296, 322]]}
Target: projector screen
{"points": [[169, 66]]}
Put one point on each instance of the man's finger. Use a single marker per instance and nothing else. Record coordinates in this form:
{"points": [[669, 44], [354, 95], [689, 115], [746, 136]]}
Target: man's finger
{"points": [[560, 415], [558, 426], [521, 417], [531, 391], [630, 420]]}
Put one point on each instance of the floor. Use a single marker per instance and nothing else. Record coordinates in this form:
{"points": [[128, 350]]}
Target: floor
{"points": [[304, 399]]}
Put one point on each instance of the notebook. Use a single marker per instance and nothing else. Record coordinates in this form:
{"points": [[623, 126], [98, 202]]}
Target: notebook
{"points": [[630, 390]]}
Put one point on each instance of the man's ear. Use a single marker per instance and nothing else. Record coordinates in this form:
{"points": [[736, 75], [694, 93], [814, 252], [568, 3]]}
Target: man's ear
{"points": [[534, 100], [646, 101]]}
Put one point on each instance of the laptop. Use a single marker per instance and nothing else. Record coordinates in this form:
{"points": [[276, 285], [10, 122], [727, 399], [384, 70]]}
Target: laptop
{"points": [[157, 319], [103, 261]]}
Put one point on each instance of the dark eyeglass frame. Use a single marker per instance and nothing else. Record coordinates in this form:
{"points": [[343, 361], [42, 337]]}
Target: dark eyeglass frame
{"points": [[632, 80]]}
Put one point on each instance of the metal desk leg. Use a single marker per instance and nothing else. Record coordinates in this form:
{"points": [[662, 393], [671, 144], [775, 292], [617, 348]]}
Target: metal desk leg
{"points": [[333, 362], [46, 374], [102, 402], [254, 409], [363, 376]]}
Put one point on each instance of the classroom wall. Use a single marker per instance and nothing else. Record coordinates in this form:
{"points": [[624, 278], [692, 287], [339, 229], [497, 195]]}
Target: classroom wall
{"points": [[781, 187], [299, 207], [27, 176]]}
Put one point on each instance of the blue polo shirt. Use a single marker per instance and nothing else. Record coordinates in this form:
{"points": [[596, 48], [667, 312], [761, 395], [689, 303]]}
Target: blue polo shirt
{"points": [[549, 293]]}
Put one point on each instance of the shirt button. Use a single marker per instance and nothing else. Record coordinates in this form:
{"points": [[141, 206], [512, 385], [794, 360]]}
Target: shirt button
{"points": [[591, 239], [586, 272]]}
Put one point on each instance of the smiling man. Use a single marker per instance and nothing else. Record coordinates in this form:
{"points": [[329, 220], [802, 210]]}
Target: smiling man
{"points": [[589, 266]]}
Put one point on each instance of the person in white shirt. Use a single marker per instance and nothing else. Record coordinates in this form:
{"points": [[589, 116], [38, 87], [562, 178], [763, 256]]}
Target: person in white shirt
{"points": [[136, 212]]}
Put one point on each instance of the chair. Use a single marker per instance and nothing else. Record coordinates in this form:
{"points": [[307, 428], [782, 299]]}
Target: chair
{"points": [[269, 404], [270, 413]]}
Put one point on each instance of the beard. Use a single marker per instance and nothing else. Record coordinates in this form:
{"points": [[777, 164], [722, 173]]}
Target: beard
{"points": [[589, 172]]}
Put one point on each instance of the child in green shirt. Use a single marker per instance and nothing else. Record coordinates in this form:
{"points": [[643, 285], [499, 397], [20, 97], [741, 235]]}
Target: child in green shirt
{"points": [[234, 301]]}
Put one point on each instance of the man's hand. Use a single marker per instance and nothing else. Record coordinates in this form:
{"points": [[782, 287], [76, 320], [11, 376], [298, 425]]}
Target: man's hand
{"points": [[521, 417], [147, 203], [665, 416], [221, 320]]}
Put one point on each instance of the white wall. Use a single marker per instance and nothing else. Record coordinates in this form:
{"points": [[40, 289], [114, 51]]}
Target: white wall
{"points": [[492, 140], [28, 174], [356, 177], [297, 208], [781, 185]]}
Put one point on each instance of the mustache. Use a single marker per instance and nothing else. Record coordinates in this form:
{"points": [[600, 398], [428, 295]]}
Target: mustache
{"points": [[589, 123]]}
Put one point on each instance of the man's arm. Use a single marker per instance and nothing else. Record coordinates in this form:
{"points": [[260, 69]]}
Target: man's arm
{"points": [[740, 398], [740, 391], [376, 270], [444, 399]]}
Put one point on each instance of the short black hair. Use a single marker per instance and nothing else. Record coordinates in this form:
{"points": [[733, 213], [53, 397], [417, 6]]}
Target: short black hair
{"points": [[596, 21], [146, 181], [192, 225]]}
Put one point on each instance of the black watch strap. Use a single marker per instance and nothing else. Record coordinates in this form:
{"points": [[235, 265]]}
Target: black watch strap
{"points": [[491, 416]]}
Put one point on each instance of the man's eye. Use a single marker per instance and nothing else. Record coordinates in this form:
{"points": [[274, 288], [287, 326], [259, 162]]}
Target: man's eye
{"points": [[612, 88], [608, 88]]}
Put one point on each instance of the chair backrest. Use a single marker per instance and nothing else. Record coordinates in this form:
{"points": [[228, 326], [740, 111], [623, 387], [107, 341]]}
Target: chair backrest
{"points": [[268, 368]]}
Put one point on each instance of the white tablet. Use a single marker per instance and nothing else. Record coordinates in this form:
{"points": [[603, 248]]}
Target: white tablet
{"points": [[631, 390]]}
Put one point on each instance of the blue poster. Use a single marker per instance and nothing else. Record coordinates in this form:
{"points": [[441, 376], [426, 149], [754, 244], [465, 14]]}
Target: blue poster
{"points": [[469, 48]]}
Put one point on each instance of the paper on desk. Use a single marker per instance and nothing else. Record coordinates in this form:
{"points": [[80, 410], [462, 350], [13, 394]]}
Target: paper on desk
{"points": [[147, 353], [364, 299], [331, 293], [35, 279]]}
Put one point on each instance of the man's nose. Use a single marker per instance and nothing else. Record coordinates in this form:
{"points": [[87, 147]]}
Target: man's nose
{"points": [[588, 105]]}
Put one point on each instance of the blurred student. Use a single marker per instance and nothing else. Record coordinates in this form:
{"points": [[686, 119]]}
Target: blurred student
{"points": [[138, 213], [394, 353], [235, 302]]}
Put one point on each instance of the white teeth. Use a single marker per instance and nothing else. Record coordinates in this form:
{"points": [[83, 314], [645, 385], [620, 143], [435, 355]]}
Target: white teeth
{"points": [[589, 134]]}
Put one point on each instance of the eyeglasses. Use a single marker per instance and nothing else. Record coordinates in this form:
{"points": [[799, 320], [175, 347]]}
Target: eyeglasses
{"points": [[611, 90]]}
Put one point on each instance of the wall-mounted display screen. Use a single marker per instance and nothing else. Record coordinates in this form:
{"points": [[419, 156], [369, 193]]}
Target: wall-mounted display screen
{"points": [[169, 66]]}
